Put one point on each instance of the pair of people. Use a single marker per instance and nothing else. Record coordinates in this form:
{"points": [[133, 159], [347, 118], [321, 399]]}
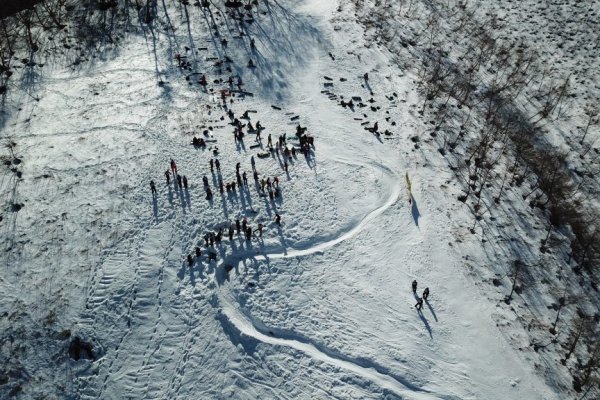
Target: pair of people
{"points": [[425, 296]]}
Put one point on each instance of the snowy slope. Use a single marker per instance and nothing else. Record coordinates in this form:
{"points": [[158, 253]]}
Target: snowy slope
{"points": [[320, 307]]}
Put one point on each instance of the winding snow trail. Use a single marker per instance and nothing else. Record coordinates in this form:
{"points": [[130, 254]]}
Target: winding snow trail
{"points": [[246, 325], [366, 369]]}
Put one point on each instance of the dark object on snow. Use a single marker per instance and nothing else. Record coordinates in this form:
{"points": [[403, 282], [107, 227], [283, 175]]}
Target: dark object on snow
{"points": [[152, 187], [190, 260], [419, 304], [414, 286], [426, 293], [79, 349], [275, 107], [233, 3], [263, 155]]}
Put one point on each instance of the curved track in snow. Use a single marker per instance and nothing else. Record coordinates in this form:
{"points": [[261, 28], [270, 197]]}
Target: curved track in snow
{"points": [[233, 317]]}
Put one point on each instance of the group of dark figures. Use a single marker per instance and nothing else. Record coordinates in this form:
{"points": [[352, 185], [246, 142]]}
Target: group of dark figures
{"points": [[419, 304], [181, 180], [214, 238], [306, 141]]}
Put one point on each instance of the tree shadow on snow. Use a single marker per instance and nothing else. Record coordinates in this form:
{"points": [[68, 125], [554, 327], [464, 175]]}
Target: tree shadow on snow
{"points": [[284, 44]]}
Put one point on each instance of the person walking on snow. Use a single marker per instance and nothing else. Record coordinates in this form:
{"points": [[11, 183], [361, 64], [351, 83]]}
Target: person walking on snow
{"points": [[179, 180], [173, 167], [212, 164], [419, 304], [278, 219], [414, 286], [218, 165], [253, 163], [260, 229], [190, 260], [168, 176], [425, 293], [152, 188], [185, 182], [269, 141]]}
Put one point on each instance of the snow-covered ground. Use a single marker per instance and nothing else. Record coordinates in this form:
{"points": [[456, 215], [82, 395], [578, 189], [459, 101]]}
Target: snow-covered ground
{"points": [[319, 307]]}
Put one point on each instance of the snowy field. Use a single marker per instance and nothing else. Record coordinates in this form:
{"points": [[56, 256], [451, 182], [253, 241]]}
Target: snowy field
{"points": [[320, 306]]}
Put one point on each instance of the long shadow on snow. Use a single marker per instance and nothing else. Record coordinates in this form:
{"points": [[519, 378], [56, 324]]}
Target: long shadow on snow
{"points": [[284, 43]]}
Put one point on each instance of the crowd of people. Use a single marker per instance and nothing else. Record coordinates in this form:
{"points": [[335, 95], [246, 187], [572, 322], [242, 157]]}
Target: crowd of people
{"points": [[265, 186]]}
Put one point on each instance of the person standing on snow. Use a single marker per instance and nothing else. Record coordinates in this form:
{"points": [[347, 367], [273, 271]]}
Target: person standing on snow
{"points": [[185, 182], [278, 219], [414, 286], [173, 167], [426, 293], [168, 176], [152, 188]]}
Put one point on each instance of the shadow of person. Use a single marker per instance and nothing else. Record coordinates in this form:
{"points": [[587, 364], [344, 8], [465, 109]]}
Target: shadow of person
{"points": [[170, 195], [415, 210], [155, 208], [192, 277], [187, 198], [181, 272], [425, 322], [281, 238], [431, 310]]}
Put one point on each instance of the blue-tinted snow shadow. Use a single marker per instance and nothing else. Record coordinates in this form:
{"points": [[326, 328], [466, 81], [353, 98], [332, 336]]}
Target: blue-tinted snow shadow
{"points": [[415, 211], [155, 208], [431, 310], [285, 42], [425, 322]]}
